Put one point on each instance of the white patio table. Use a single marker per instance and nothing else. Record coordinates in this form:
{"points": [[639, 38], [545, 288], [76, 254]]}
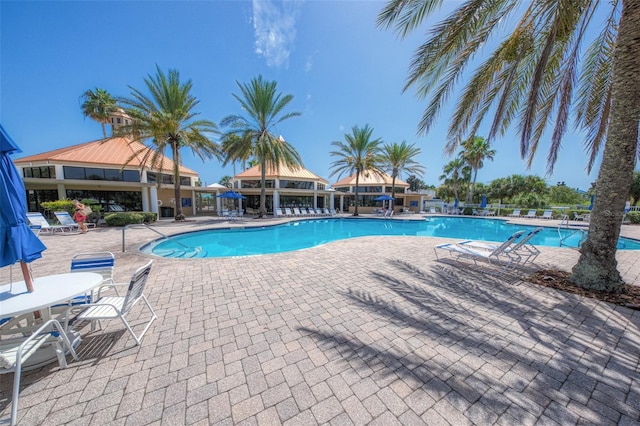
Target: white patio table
{"points": [[48, 291]]}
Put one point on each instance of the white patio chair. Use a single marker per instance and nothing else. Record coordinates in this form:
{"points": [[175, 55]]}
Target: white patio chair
{"points": [[37, 219], [500, 255], [112, 307], [14, 352]]}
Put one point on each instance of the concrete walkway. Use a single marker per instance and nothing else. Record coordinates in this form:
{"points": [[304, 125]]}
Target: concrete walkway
{"points": [[361, 331]]}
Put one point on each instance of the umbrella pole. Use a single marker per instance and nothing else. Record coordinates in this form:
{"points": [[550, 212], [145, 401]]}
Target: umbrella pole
{"points": [[27, 276]]}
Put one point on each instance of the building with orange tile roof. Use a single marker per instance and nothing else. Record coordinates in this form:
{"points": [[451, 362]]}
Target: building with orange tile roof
{"points": [[372, 186], [117, 172], [285, 187]]}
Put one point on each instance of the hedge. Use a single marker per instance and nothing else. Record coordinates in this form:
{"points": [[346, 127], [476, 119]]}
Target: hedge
{"points": [[128, 218]]}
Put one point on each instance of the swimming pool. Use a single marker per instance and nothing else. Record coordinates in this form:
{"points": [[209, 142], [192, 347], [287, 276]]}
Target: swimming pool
{"points": [[313, 232]]}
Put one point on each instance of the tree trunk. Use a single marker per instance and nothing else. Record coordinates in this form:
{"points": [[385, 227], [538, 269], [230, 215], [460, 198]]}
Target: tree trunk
{"points": [[262, 212], [393, 191], [176, 179], [597, 267], [355, 213], [104, 129]]}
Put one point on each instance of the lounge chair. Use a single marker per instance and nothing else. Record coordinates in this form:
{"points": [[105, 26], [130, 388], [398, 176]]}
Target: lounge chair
{"points": [[577, 216], [325, 212], [432, 210], [333, 212], [36, 218], [547, 214], [14, 352], [522, 248], [278, 212], [65, 219], [501, 255], [531, 215], [516, 213], [287, 212], [112, 307]]}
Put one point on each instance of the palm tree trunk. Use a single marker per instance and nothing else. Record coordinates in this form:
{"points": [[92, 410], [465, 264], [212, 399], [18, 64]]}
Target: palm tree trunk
{"points": [[393, 191], [473, 187], [262, 212], [104, 129], [355, 213], [176, 179], [597, 266]]}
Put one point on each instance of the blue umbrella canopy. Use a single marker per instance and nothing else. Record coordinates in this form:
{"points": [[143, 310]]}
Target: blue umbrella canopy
{"points": [[384, 197], [232, 195], [17, 241]]}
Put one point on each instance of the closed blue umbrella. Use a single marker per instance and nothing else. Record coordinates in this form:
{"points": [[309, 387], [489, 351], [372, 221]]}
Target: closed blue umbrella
{"points": [[593, 197], [483, 203], [455, 203], [17, 241]]}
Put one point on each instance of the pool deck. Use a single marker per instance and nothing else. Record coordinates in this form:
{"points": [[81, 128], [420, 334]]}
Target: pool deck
{"points": [[360, 331]]}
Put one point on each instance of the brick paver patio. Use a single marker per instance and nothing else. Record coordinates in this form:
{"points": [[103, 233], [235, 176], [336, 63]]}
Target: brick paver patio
{"points": [[362, 331]]}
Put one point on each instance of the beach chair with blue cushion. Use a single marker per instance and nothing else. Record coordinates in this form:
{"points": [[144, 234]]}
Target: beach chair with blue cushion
{"points": [[531, 215], [547, 214]]}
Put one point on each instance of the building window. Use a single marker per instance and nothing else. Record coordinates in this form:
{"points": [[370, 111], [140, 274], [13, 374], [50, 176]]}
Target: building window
{"points": [[321, 186], [369, 189], [167, 179], [269, 183], [43, 172], [93, 173], [295, 184], [342, 189]]}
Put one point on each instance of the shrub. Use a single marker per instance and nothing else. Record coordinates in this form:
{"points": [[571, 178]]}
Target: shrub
{"points": [[59, 206], [122, 219], [150, 217], [634, 216]]}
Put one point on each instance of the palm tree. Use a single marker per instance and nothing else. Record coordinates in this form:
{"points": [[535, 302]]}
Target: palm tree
{"points": [[400, 158], [359, 154], [225, 181], [264, 108], [99, 105], [475, 150], [234, 150], [166, 118], [455, 174], [532, 76]]}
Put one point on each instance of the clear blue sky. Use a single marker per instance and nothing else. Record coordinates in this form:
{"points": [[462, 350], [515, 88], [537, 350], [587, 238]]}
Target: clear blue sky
{"points": [[341, 69]]}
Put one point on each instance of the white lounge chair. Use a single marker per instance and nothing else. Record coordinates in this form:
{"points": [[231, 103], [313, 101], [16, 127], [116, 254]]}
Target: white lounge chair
{"points": [[547, 214], [325, 212], [287, 212], [500, 255], [523, 247], [531, 215], [65, 219], [37, 219], [333, 212], [278, 212], [516, 213], [14, 352], [112, 307]]}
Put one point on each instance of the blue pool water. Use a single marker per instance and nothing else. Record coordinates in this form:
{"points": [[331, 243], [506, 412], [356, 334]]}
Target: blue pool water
{"points": [[309, 233]]}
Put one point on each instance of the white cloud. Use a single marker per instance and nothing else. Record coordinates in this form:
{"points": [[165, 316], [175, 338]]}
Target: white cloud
{"points": [[274, 23], [308, 64]]}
